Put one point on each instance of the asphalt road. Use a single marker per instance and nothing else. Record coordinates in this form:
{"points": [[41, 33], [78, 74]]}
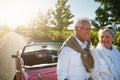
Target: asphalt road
{"points": [[9, 47]]}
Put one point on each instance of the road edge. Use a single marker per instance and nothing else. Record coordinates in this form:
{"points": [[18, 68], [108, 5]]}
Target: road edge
{"points": [[6, 36]]}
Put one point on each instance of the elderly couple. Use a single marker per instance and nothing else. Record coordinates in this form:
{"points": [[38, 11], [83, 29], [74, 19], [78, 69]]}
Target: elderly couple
{"points": [[78, 60]]}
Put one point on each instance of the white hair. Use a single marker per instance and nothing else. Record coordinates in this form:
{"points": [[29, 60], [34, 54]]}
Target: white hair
{"points": [[108, 28], [79, 21]]}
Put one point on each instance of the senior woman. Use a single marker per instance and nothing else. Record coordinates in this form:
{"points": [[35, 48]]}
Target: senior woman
{"points": [[109, 53]]}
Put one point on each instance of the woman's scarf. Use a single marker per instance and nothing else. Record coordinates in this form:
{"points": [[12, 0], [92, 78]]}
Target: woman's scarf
{"points": [[110, 57]]}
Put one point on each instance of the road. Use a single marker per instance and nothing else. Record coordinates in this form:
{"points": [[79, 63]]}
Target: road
{"points": [[9, 47]]}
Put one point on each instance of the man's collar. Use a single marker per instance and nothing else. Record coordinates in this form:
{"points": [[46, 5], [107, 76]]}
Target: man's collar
{"points": [[81, 43]]}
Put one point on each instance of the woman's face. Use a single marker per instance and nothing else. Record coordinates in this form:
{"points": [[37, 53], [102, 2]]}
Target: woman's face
{"points": [[106, 39]]}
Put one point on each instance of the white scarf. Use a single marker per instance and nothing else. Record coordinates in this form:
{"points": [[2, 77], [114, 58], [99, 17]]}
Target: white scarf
{"points": [[112, 58]]}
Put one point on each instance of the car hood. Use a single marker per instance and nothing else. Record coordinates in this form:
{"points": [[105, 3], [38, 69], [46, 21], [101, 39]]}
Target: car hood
{"points": [[42, 72]]}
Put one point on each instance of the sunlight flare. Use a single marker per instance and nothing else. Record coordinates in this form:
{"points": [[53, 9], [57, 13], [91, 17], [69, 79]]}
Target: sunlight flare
{"points": [[20, 12]]}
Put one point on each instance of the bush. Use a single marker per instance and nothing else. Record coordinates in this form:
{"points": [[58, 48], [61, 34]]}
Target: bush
{"points": [[117, 41], [94, 38]]}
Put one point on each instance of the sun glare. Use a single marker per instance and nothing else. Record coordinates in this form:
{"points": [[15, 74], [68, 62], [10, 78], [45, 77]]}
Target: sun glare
{"points": [[20, 12]]}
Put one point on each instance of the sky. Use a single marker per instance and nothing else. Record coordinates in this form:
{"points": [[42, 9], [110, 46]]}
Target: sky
{"points": [[19, 12]]}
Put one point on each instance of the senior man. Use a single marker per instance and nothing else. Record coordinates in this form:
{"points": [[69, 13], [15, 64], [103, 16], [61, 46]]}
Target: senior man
{"points": [[75, 58]]}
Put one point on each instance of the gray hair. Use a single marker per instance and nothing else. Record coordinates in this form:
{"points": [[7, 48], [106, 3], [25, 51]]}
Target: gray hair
{"points": [[110, 29], [79, 21]]}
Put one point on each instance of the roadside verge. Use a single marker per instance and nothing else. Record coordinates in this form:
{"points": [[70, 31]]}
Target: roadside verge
{"points": [[3, 39]]}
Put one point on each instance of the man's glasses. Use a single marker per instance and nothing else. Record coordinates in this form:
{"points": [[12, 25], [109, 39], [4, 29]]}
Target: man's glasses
{"points": [[87, 29]]}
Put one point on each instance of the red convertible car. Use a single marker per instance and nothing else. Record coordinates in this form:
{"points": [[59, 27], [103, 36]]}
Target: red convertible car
{"points": [[37, 61]]}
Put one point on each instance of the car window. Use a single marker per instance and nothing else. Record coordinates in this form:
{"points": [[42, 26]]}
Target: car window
{"points": [[33, 48], [40, 54]]}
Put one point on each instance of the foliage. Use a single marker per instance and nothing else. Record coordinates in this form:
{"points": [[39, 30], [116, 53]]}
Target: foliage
{"points": [[39, 28], [102, 18], [107, 13], [22, 30], [40, 22], [94, 38], [61, 16], [5, 29], [117, 41]]}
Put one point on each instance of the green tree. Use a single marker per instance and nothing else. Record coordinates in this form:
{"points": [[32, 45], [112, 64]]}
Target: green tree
{"points": [[39, 27], [41, 22], [21, 29], [61, 17], [107, 13]]}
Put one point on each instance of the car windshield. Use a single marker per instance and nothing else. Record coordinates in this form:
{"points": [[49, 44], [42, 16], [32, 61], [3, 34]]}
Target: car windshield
{"points": [[40, 54], [38, 47]]}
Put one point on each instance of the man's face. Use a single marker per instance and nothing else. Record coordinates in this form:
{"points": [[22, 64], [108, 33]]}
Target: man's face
{"points": [[106, 39], [83, 31]]}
